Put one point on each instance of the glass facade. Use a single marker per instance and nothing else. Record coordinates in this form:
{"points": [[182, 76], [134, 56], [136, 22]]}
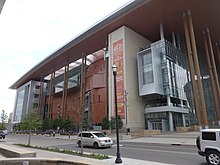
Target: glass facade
{"points": [[174, 72], [26, 99], [19, 106], [177, 89], [147, 68], [164, 77], [73, 80]]}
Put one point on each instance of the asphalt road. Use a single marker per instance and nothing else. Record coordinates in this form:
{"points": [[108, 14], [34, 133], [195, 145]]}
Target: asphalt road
{"points": [[171, 154]]}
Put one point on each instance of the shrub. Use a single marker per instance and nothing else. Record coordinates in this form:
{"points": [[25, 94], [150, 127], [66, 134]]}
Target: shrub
{"points": [[105, 123]]}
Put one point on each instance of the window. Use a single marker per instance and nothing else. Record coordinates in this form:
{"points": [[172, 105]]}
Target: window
{"points": [[37, 86], [93, 98], [87, 101], [36, 95], [147, 68], [86, 135], [99, 134], [209, 136]]}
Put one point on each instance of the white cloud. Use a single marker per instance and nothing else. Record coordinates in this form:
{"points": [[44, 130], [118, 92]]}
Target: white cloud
{"points": [[32, 30]]}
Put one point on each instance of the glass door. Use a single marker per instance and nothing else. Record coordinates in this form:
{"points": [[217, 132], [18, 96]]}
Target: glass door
{"points": [[157, 125]]}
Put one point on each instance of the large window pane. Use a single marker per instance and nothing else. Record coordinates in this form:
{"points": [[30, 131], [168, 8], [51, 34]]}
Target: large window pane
{"points": [[147, 69]]}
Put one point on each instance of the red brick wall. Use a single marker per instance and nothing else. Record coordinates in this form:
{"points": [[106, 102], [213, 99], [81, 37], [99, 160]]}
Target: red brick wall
{"points": [[96, 84], [72, 109]]}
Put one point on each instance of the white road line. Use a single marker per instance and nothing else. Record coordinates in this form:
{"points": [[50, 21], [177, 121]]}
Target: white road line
{"points": [[114, 145]]}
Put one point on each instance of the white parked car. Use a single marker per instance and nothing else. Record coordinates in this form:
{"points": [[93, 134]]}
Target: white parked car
{"points": [[95, 139], [208, 144]]}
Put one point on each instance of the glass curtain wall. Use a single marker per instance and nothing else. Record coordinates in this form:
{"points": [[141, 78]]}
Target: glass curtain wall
{"points": [[147, 68]]}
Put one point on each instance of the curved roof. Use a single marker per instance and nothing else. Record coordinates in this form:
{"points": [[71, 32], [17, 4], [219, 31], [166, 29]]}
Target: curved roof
{"points": [[144, 17]]}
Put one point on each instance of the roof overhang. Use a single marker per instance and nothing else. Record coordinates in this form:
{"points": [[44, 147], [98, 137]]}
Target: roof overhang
{"points": [[2, 2], [142, 16]]}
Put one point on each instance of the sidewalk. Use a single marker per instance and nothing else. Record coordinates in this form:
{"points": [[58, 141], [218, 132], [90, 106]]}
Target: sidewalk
{"points": [[59, 157], [186, 138], [111, 161]]}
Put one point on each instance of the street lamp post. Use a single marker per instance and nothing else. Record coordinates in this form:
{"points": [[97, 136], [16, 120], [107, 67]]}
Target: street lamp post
{"points": [[118, 158]]}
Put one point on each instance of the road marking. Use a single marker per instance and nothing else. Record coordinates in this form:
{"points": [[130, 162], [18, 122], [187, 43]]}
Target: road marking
{"points": [[174, 152], [114, 145]]}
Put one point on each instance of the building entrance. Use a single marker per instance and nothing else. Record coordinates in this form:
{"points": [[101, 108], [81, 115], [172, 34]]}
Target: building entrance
{"points": [[157, 125]]}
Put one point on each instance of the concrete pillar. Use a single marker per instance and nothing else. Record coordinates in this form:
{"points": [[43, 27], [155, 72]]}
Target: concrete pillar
{"points": [[174, 39], [211, 78], [171, 121], [181, 103], [178, 42], [168, 101], [161, 32], [184, 120]]}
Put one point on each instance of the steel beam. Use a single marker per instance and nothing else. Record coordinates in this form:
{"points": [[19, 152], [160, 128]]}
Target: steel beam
{"points": [[64, 96], [218, 54], [196, 61], [191, 67], [50, 102], [40, 96], [212, 59], [213, 85]]}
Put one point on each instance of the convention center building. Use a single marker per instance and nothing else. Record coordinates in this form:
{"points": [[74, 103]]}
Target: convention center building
{"points": [[167, 54]]}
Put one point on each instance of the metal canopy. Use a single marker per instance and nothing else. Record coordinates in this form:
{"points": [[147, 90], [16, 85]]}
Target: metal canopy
{"points": [[142, 16]]}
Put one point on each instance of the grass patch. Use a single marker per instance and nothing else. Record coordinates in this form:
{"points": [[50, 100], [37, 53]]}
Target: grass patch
{"points": [[71, 152]]}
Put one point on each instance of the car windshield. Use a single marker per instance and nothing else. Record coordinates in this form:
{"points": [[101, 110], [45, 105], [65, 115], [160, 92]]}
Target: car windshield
{"points": [[99, 134]]}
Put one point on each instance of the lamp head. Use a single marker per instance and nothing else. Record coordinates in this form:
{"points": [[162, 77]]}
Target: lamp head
{"points": [[114, 68]]}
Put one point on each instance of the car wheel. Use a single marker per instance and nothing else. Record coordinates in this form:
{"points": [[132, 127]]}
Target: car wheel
{"points": [[213, 157], [79, 143], [198, 143], [95, 145]]}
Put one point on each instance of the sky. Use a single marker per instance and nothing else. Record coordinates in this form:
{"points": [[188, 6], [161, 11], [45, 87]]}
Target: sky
{"points": [[31, 30]]}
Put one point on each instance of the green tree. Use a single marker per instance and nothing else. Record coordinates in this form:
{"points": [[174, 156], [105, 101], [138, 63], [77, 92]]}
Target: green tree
{"points": [[23, 126], [57, 123], [120, 122], [105, 123], [113, 123], [4, 117], [46, 124], [85, 124], [68, 125], [31, 122], [15, 127]]}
